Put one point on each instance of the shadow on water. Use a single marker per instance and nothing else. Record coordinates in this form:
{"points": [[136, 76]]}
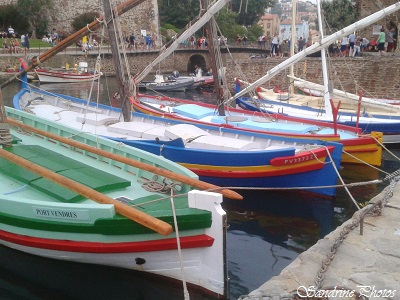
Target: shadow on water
{"points": [[24, 276], [268, 230]]}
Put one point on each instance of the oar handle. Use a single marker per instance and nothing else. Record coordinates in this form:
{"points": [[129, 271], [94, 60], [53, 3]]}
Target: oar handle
{"points": [[156, 170]]}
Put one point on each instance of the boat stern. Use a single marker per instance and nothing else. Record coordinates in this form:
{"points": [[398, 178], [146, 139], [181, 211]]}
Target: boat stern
{"points": [[213, 260]]}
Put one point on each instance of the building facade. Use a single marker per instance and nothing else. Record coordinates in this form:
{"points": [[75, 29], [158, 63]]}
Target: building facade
{"points": [[270, 24]]}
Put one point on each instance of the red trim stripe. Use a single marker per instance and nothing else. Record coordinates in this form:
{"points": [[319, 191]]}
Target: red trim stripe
{"points": [[269, 173], [197, 241]]}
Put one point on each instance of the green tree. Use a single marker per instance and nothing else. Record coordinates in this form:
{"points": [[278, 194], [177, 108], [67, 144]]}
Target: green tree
{"points": [[254, 32], [8, 15], [338, 14], [226, 21], [178, 12], [83, 19], [277, 9], [35, 12], [250, 11]]}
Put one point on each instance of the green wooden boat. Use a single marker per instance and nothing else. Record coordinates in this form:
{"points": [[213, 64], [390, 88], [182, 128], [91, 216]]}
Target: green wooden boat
{"points": [[44, 217]]}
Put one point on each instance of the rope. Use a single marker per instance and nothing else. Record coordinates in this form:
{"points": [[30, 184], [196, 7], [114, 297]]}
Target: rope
{"points": [[363, 162], [358, 220], [178, 242], [5, 136]]}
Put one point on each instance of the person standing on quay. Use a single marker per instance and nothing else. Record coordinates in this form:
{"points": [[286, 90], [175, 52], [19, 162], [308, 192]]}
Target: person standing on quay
{"points": [[26, 44], [352, 38], [381, 41]]}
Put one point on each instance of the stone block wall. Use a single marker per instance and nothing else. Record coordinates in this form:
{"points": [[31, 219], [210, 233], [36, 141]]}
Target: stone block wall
{"points": [[368, 7], [376, 76], [144, 16]]}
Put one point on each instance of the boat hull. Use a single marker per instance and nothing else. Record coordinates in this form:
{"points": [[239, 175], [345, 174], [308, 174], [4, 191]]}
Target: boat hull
{"points": [[43, 218], [357, 148], [388, 126], [215, 153], [46, 76], [168, 86], [236, 170]]}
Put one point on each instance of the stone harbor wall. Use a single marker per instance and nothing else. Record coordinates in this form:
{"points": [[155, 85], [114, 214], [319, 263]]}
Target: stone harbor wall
{"points": [[354, 260], [376, 76], [142, 17]]}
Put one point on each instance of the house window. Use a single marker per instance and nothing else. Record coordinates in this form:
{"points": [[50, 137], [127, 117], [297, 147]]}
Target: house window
{"points": [[268, 25]]}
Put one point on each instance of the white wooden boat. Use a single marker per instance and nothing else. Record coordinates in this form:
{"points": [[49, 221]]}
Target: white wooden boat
{"points": [[67, 76], [387, 122]]}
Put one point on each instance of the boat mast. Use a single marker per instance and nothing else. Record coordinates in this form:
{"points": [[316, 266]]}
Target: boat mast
{"points": [[210, 36], [325, 42], [5, 137], [123, 84], [292, 41], [189, 30], [328, 108], [120, 9]]}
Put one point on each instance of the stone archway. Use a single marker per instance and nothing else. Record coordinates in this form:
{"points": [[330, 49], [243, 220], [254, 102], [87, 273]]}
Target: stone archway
{"points": [[198, 60]]}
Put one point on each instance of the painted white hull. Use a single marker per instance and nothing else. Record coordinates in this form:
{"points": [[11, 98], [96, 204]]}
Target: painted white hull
{"points": [[202, 266], [164, 263], [64, 77]]}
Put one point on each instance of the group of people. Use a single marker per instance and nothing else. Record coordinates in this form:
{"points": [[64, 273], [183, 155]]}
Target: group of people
{"points": [[241, 40], [353, 45], [9, 33], [197, 42], [51, 38], [281, 47], [386, 40], [146, 41], [13, 45]]}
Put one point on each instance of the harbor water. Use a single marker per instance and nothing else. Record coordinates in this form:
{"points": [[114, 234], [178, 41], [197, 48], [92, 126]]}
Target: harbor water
{"points": [[267, 231]]}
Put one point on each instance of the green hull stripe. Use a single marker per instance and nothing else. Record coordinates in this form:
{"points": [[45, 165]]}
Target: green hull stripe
{"points": [[188, 219]]}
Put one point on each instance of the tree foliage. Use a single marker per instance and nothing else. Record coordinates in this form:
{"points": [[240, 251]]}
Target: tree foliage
{"points": [[338, 14], [36, 13], [178, 12], [226, 21], [83, 19], [250, 11], [8, 16]]}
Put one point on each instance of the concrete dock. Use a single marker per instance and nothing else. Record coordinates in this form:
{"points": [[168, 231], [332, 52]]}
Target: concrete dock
{"points": [[358, 260]]}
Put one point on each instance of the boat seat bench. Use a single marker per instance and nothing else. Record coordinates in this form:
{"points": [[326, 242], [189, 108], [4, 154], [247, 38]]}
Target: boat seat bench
{"points": [[63, 165]]}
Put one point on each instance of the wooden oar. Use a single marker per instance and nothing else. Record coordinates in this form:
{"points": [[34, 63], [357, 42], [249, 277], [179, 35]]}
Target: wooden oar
{"points": [[121, 208], [162, 172]]}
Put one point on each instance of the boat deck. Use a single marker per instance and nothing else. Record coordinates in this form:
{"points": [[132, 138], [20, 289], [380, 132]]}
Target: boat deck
{"points": [[96, 179]]}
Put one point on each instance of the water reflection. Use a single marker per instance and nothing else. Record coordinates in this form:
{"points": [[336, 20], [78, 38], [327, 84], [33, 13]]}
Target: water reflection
{"points": [[24, 276]]}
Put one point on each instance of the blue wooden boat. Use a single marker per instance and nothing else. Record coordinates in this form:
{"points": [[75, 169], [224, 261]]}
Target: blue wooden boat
{"points": [[222, 156], [388, 124]]}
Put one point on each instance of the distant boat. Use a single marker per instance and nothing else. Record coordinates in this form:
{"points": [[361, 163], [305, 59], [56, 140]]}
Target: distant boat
{"points": [[68, 76], [30, 76], [168, 84]]}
